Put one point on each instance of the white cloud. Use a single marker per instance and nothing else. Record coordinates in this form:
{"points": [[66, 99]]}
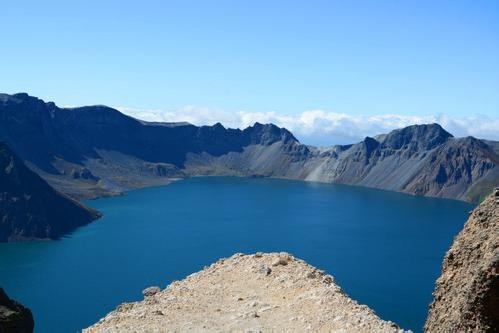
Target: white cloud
{"points": [[321, 127]]}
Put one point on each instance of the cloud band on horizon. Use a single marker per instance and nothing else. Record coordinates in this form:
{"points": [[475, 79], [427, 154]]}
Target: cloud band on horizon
{"points": [[320, 127]]}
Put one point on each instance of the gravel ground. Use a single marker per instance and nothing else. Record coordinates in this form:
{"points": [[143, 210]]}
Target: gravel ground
{"points": [[261, 292]]}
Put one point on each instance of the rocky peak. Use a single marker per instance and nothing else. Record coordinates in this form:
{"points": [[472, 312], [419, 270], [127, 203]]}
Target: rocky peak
{"points": [[370, 145], [268, 134], [21, 98], [424, 137]]}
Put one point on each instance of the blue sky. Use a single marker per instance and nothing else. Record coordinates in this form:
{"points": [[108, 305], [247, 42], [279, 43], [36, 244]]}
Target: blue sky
{"points": [[358, 58]]}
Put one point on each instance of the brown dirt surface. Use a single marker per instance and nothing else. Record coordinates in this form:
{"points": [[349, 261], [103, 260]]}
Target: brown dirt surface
{"points": [[264, 292]]}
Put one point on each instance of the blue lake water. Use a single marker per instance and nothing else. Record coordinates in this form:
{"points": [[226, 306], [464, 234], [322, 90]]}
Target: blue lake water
{"points": [[384, 249]]}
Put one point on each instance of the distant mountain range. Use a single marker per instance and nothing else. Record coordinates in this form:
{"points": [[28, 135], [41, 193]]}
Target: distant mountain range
{"points": [[94, 151]]}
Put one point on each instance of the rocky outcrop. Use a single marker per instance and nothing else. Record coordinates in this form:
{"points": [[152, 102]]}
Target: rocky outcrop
{"points": [[30, 208], [466, 297], [96, 151], [273, 292], [464, 168], [14, 318]]}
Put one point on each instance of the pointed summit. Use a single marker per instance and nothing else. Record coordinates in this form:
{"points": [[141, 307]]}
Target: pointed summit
{"points": [[426, 136]]}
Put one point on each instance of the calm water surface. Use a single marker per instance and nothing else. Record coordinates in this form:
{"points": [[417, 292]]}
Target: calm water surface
{"points": [[385, 249]]}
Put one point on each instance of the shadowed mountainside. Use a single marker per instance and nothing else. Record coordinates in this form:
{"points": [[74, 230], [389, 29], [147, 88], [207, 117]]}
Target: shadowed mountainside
{"points": [[96, 150], [30, 208]]}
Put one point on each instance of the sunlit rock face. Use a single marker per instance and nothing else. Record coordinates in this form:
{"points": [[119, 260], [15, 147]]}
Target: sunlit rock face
{"points": [[466, 297]]}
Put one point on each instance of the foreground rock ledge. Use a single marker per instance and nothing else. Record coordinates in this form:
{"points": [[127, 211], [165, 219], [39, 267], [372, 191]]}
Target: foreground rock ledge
{"points": [[14, 318], [466, 297], [261, 292]]}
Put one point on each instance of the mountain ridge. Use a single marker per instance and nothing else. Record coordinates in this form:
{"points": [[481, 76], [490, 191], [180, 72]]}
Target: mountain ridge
{"points": [[91, 151]]}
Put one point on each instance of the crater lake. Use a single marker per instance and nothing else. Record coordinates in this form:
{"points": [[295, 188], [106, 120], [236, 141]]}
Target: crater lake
{"points": [[384, 249]]}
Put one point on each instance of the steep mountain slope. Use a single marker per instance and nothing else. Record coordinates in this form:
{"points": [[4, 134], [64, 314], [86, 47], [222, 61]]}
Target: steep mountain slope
{"points": [[466, 297], [420, 159], [93, 151], [264, 292], [463, 168], [30, 208]]}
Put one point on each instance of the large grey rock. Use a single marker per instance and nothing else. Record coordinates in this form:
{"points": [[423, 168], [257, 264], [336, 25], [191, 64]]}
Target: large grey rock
{"points": [[151, 291]]}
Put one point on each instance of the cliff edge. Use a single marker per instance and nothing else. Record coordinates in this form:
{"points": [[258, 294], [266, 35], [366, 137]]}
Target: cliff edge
{"points": [[261, 292], [466, 297]]}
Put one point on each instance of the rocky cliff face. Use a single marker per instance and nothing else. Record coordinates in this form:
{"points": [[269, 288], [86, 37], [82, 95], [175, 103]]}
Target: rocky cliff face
{"points": [[14, 318], [261, 292], [94, 151], [420, 159], [466, 297], [30, 208]]}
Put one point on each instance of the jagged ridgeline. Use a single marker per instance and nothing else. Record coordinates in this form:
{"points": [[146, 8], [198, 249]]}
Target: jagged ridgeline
{"points": [[93, 151]]}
